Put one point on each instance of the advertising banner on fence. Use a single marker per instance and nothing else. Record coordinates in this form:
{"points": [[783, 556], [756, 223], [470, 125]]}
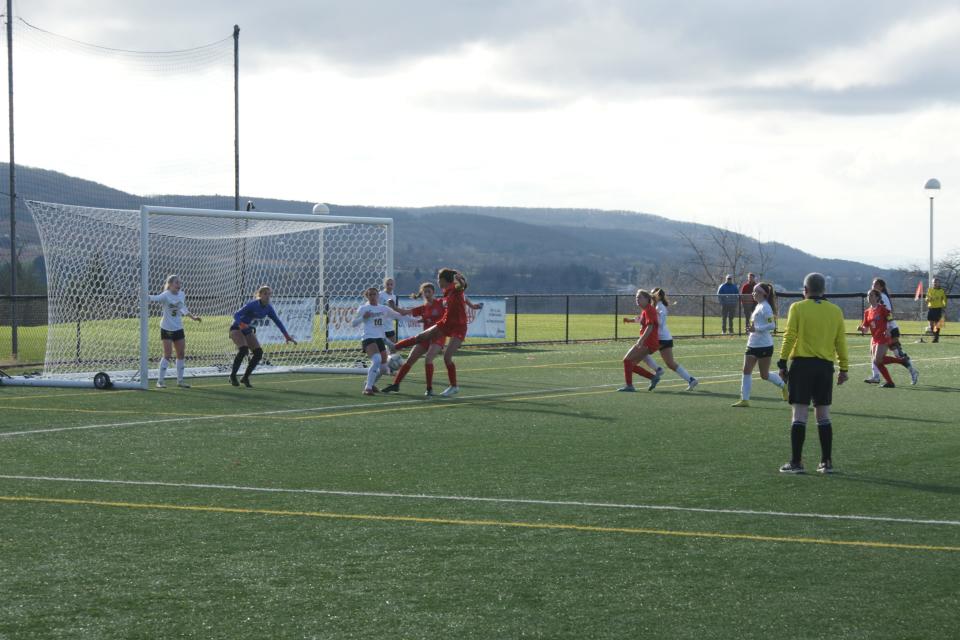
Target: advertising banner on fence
{"points": [[489, 322], [297, 316]]}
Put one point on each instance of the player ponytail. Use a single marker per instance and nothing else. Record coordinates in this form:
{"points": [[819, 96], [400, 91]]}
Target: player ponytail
{"points": [[771, 295], [660, 295], [880, 285], [419, 294]]}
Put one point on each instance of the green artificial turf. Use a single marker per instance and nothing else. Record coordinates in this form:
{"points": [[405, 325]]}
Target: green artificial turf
{"points": [[378, 538]]}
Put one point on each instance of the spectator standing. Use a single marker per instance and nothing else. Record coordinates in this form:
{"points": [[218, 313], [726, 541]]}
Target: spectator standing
{"points": [[746, 295], [727, 296]]}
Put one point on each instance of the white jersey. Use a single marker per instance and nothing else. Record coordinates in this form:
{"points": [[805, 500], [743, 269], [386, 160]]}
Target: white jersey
{"points": [[385, 298], [174, 308], [662, 331], [763, 322], [378, 322], [885, 301]]}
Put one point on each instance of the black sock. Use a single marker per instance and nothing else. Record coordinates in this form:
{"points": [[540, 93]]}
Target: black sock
{"points": [[798, 432], [254, 361], [238, 360], [825, 429]]}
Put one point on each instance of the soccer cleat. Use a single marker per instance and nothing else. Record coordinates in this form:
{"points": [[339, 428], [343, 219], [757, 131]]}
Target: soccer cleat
{"points": [[914, 376], [375, 389], [785, 393], [161, 384], [792, 468], [391, 388], [825, 467], [245, 381], [887, 385], [629, 388], [692, 384], [741, 403], [450, 391], [655, 380], [183, 385], [234, 381], [369, 392], [872, 380], [428, 393]]}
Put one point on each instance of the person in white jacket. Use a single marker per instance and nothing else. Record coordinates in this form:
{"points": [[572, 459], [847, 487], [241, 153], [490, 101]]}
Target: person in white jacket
{"points": [[171, 328], [376, 318], [760, 329]]}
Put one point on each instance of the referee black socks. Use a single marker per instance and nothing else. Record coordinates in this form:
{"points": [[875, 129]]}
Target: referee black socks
{"points": [[798, 433], [825, 428]]}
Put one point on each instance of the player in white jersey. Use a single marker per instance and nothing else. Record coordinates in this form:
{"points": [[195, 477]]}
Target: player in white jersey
{"points": [[666, 344], [880, 285], [388, 297], [174, 306], [760, 329], [375, 318]]}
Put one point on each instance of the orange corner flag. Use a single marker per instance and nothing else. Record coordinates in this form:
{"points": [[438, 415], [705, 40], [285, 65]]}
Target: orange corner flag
{"points": [[919, 293]]}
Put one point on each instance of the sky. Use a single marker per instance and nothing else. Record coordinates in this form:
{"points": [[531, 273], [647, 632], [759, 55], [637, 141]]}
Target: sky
{"points": [[815, 124]]}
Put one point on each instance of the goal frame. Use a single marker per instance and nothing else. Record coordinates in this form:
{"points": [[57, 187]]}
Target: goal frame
{"points": [[146, 211]]}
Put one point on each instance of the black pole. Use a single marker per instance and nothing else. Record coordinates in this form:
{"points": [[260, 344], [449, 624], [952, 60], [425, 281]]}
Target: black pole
{"points": [[703, 316], [236, 116], [616, 316], [566, 331], [14, 263], [516, 315]]}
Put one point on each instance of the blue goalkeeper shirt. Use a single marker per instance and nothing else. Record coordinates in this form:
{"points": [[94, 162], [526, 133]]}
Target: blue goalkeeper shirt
{"points": [[256, 310]]}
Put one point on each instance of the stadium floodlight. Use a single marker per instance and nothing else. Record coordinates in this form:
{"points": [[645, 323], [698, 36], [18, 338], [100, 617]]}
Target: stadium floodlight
{"points": [[103, 263], [932, 188]]}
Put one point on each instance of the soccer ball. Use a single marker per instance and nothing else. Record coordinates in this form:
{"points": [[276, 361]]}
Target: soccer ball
{"points": [[394, 362]]}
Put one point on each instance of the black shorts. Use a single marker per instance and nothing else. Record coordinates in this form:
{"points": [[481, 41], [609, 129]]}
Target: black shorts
{"points": [[381, 346], [171, 335], [760, 352], [934, 315], [810, 380], [666, 344], [250, 329], [391, 335]]}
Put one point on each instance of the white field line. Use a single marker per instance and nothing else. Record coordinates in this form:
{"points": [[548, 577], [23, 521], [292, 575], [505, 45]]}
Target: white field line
{"points": [[454, 498], [366, 405]]}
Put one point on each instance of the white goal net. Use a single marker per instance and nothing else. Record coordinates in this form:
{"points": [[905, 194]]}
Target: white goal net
{"points": [[102, 263]]}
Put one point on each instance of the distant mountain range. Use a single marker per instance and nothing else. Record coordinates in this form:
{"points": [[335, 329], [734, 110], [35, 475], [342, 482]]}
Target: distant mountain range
{"points": [[504, 249]]}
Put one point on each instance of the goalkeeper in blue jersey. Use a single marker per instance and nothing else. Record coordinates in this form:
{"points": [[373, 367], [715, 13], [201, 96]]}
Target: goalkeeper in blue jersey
{"points": [[244, 334]]}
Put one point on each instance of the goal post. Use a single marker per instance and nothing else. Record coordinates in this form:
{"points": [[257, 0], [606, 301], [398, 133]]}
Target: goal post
{"points": [[103, 264]]}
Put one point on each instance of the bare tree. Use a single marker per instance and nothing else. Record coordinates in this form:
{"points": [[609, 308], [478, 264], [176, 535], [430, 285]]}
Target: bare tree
{"points": [[716, 252], [948, 270]]}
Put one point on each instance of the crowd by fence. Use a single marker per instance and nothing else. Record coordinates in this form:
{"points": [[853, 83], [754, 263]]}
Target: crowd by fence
{"points": [[538, 318]]}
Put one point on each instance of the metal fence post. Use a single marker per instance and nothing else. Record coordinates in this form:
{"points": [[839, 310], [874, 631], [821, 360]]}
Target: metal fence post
{"points": [[516, 314], [703, 316], [566, 335], [616, 317]]}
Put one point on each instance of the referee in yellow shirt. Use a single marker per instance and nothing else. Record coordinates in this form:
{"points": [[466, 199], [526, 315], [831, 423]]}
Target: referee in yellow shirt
{"points": [[936, 306], [813, 341]]}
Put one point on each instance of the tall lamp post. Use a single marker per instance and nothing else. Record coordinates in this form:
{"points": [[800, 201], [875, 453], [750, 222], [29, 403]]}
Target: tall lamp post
{"points": [[932, 188]]}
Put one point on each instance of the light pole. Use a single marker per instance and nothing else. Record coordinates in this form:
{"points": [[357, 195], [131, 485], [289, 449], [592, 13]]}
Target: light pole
{"points": [[932, 188]]}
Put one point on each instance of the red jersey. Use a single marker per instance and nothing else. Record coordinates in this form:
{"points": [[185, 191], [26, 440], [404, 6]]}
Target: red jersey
{"points": [[430, 314], [876, 319], [650, 318], [455, 315]]}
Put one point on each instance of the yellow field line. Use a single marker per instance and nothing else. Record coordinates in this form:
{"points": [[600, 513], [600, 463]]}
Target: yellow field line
{"points": [[480, 523]]}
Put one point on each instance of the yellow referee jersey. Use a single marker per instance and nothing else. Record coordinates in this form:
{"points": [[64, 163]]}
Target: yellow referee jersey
{"points": [[815, 330], [936, 298]]}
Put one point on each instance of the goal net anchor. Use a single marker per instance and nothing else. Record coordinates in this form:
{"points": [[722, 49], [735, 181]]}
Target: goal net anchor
{"points": [[102, 264]]}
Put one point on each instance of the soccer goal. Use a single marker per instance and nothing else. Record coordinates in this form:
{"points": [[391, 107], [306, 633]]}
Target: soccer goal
{"points": [[102, 264]]}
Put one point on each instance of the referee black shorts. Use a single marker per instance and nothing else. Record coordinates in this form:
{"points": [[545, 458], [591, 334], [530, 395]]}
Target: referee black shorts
{"points": [[810, 380], [934, 314]]}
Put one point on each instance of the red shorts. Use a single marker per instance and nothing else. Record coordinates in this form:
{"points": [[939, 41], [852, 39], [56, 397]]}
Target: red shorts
{"points": [[884, 341], [652, 345], [453, 332], [440, 341]]}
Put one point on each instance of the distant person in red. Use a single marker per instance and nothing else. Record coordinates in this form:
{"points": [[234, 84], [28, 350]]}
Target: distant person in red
{"points": [[876, 320], [648, 343], [429, 313], [746, 295], [452, 325]]}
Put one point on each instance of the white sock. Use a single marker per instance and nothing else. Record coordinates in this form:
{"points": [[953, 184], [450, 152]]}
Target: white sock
{"points": [[179, 370], [683, 373], [876, 369], [374, 368], [745, 385], [775, 379], [650, 362], [164, 363]]}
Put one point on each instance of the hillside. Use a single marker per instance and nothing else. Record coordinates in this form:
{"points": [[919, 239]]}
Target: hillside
{"points": [[505, 249]]}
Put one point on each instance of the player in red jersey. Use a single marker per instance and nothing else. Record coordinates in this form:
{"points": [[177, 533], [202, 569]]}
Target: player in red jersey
{"points": [[429, 313], [452, 325], [876, 320], [648, 343]]}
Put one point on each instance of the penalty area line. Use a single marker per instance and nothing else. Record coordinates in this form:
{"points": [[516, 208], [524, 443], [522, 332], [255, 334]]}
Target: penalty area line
{"points": [[503, 524], [480, 499]]}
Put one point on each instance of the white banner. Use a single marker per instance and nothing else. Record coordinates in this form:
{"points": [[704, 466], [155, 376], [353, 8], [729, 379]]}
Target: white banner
{"points": [[489, 322], [297, 315], [341, 313]]}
